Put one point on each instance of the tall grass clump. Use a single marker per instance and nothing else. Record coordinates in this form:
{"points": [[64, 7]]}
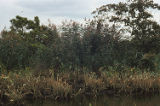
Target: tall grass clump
{"points": [[18, 86]]}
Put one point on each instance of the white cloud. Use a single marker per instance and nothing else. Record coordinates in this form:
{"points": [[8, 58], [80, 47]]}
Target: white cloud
{"points": [[56, 10], [66, 8]]}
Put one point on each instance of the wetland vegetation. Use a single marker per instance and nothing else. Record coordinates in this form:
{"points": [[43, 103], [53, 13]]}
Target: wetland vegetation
{"points": [[107, 55]]}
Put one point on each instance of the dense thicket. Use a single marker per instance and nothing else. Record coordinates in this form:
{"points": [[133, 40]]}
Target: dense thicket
{"points": [[98, 43]]}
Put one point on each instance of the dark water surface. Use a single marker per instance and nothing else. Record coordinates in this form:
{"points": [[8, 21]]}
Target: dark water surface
{"points": [[102, 101]]}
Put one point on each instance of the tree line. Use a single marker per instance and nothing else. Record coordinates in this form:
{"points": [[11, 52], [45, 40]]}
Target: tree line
{"points": [[99, 42]]}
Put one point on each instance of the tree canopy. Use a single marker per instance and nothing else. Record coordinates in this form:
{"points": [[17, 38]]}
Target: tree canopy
{"points": [[96, 44]]}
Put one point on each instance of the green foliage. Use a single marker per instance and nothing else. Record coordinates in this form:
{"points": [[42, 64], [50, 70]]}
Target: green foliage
{"points": [[42, 55], [73, 46], [137, 19], [156, 62], [14, 54]]}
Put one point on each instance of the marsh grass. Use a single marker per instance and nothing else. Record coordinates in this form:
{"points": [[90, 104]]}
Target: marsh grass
{"points": [[19, 86], [93, 84]]}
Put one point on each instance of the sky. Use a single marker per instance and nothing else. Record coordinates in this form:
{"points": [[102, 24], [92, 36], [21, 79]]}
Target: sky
{"points": [[55, 10]]}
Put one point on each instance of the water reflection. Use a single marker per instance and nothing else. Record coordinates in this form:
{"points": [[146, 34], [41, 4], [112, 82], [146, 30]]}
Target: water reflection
{"points": [[103, 101]]}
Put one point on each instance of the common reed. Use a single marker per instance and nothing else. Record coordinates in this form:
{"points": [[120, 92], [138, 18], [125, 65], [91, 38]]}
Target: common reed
{"points": [[64, 86]]}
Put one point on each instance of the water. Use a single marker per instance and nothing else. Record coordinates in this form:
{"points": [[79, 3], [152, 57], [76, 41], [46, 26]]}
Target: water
{"points": [[103, 101]]}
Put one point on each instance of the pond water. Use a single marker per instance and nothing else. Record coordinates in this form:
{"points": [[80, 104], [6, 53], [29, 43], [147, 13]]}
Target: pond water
{"points": [[103, 101]]}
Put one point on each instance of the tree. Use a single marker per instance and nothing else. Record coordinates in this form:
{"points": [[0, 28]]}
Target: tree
{"points": [[22, 26], [135, 16], [71, 33]]}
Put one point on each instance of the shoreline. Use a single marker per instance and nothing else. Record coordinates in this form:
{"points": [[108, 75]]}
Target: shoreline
{"points": [[66, 86]]}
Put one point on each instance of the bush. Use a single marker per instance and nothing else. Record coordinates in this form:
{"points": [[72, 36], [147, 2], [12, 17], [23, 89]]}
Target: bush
{"points": [[14, 54]]}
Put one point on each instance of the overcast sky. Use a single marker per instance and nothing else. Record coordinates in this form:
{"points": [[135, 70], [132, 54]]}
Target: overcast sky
{"points": [[55, 10]]}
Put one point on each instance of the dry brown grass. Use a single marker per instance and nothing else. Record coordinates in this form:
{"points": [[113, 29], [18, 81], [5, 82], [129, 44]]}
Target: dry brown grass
{"points": [[15, 87], [93, 83]]}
